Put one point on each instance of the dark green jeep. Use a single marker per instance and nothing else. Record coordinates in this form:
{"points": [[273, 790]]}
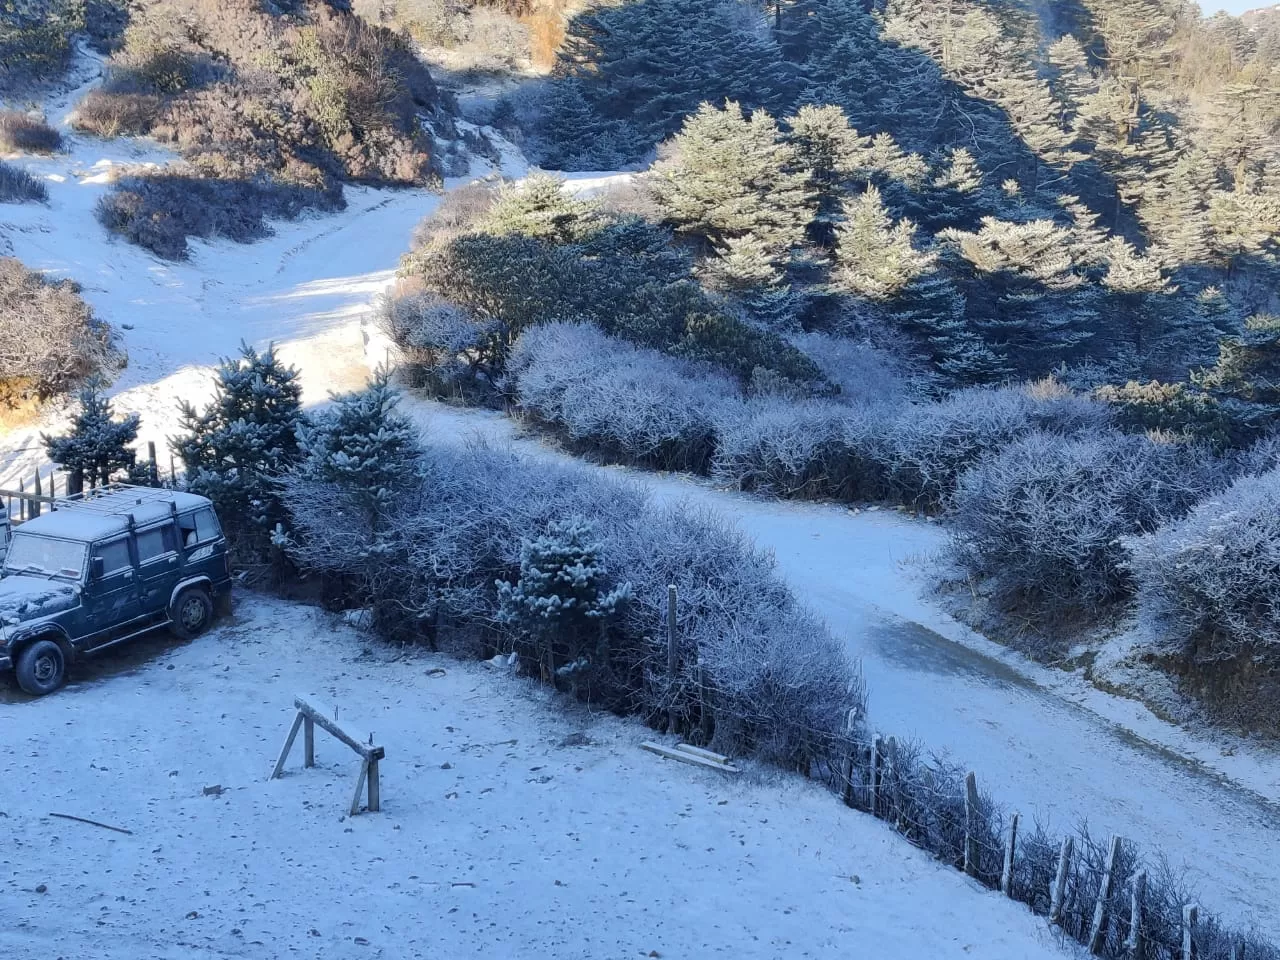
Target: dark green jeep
{"points": [[102, 569]]}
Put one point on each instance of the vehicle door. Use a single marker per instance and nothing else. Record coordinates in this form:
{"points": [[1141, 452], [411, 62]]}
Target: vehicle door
{"points": [[111, 597], [158, 566], [202, 542]]}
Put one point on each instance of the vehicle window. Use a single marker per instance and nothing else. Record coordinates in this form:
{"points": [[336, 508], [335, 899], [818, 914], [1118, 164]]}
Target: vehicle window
{"points": [[198, 527], [207, 525], [29, 553], [115, 556], [155, 542]]}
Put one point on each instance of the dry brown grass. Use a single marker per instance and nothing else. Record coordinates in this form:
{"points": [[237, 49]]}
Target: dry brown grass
{"points": [[22, 133]]}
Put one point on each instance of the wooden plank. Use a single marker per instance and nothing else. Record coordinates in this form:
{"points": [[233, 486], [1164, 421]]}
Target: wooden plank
{"points": [[375, 788], [670, 754], [1057, 892], [366, 750], [355, 799], [309, 742], [1096, 938], [1134, 944], [704, 754], [1190, 914], [288, 745], [1006, 875], [971, 824], [39, 498]]}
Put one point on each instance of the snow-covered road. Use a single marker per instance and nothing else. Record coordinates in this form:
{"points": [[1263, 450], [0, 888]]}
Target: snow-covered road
{"points": [[1041, 740]]}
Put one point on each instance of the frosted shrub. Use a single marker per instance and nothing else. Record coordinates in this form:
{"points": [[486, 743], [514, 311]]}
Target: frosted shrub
{"points": [[1042, 521], [1213, 579], [812, 450], [628, 403], [863, 373], [932, 444], [776, 681], [442, 348]]}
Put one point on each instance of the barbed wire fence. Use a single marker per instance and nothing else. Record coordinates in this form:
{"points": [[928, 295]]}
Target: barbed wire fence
{"points": [[1102, 893]]}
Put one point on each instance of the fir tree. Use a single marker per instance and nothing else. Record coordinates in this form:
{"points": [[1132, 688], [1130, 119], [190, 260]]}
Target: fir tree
{"points": [[876, 257], [730, 176], [363, 446], [99, 447], [562, 602], [247, 436], [1246, 378]]}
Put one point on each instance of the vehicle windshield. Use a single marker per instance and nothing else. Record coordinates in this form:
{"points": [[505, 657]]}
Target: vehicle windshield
{"points": [[45, 556]]}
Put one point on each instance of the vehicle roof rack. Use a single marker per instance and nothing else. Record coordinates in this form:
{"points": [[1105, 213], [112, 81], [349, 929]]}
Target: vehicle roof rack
{"points": [[114, 499]]}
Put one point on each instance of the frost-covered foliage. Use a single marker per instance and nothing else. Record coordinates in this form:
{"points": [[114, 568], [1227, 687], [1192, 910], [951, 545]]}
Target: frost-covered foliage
{"points": [[777, 679], [18, 186], [532, 254], [99, 448], [363, 446], [1042, 522], [50, 340], [1210, 583], [442, 348], [863, 374], [235, 449], [628, 403], [161, 211], [22, 133]]}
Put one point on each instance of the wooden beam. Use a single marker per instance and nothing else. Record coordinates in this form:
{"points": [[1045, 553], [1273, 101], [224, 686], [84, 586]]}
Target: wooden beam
{"points": [[355, 799], [308, 741], [288, 745], [1057, 894], [312, 712], [971, 824], [1006, 875], [683, 757], [1096, 931]]}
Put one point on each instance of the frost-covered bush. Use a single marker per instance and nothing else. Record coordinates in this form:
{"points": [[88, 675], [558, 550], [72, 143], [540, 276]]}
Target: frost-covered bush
{"points": [[442, 348], [863, 373], [22, 133], [1042, 522], [931, 444], [1211, 581], [628, 403], [160, 211], [773, 679], [18, 186], [50, 341], [813, 450]]}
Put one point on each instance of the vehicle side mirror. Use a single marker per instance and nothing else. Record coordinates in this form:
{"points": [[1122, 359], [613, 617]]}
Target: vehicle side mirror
{"points": [[97, 568]]}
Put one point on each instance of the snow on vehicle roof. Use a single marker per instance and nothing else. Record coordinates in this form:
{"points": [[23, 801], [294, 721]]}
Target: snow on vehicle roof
{"points": [[104, 514]]}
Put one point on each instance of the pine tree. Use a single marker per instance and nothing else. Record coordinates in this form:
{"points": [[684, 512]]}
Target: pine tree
{"points": [[247, 436], [730, 176], [99, 447], [1246, 378], [833, 153], [562, 602], [540, 208], [363, 446]]}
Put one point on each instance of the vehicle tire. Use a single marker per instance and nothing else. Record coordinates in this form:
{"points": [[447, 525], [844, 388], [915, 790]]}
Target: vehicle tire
{"points": [[42, 668], [192, 613]]}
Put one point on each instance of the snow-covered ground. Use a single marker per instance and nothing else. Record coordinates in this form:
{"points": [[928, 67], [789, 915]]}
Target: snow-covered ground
{"points": [[512, 825], [1040, 739]]}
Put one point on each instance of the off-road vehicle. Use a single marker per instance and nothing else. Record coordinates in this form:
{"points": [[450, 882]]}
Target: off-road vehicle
{"points": [[104, 568]]}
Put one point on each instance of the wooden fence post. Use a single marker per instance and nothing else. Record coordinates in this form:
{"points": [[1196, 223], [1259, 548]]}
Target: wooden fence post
{"points": [[1134, 944], [1190, 914], [154, 470], [850, 764], [36, 503], [1057, 894], [873, 775], [971, 824], [704, 710], [1006, 875], [1096, 938], [173, 470], [309, 742], [22, 501], [672, 713]]}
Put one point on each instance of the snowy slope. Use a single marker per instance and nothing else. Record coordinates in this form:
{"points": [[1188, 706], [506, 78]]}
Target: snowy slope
{"points": [[503, 835], [1039, 739]]}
